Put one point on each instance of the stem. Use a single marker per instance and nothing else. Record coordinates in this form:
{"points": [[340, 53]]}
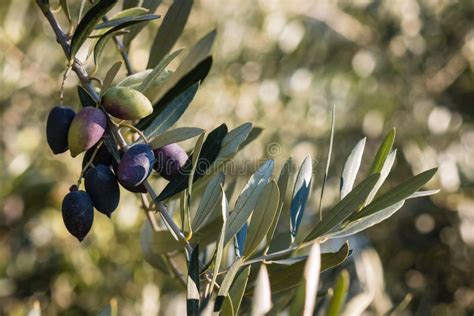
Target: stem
{"points": [[83, 76]]}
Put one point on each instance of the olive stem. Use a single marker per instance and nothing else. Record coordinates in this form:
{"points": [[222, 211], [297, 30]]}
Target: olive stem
{"points": [[83, 76]]}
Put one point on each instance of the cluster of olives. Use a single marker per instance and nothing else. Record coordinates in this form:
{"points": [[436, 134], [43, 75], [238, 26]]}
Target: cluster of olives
{"points": [[82, 132]]}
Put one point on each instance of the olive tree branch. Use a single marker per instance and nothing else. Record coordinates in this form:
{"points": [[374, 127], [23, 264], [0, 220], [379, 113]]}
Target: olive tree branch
{"points": [[83, 76]]}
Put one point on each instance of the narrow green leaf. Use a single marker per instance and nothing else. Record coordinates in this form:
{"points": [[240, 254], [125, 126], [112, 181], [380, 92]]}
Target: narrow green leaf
{"points": [[340, 294], [422, 194], [220, 242], [387, 166], [174, 136], [195, 158], [233, 140], [209, 200], [262, 296], [65, 5], [234, 299], [192, 291], [111, 74], [247, 199], [300, 194], [344, 208], [128, 18], [282, 188], [253, 135], [305, 300], [328, 160], [157, 70], [355, 226], [88, 23], [397, 194], [262, 217], [135, 80], [172, 112], [198, 53], [351, 167], [226, 283], [170, 30], [100, 45], [383, 152], [150, 6]]}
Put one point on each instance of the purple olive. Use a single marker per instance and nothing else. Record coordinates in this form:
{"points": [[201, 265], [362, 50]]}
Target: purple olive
{"points": [[139, 189], [102, 187], [169, 160], [87, 128], [135, 165], [78, 213], [57, 127]]}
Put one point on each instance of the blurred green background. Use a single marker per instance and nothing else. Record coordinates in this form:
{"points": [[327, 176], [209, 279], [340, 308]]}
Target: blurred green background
{"points": [[282, 65]]}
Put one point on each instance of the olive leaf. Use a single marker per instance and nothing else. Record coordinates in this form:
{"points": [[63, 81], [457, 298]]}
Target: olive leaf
{"points": [[220, 242], [247, 199], [111, 74], [328, 159], [384, 172], [170, 30], [344, 208], [282, 182], [397, 194], [88, 23], [127, 18], [100, 45], [155, 73], [382, 153], [150, 6], [351, 167], [226, 284], [234, 299], [174, 136], [209, 200], [300, 194], [262, 217]]}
